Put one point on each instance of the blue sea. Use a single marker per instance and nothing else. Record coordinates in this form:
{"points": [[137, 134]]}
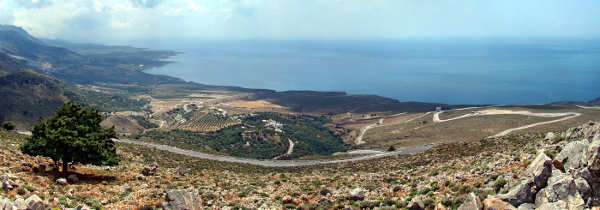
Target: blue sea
{"points": [[455, 71]]}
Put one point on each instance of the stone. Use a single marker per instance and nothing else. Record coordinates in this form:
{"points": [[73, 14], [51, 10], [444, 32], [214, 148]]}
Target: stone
{"points": [[497, 204], [526, 206], [573, 155], [550, 136], [357, 194], [150, 170], [471, 202], [551, 206], [20, 203], [35, 203], [62, 181], [583, 187], [82, 207], [593, 156], [439, 206], [288, 200], [125, 188], [540, 169], [7, 205], [520, 194], [562, 190], [182, 200], [73, 178], [415, 204]]}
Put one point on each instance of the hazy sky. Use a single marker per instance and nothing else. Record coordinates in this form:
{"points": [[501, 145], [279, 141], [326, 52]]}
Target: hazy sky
{"points": [[110, 20]]}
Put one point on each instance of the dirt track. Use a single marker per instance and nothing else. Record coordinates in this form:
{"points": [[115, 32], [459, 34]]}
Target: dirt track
{"points": [[567, 115]]}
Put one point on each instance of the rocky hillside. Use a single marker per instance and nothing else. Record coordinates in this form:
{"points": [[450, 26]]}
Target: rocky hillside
{"points": [[28, 96], [544, 171]]}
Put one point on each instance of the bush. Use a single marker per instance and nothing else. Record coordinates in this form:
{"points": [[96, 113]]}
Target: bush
{"points": [[9, 125], [499, 184], [391, 148]]}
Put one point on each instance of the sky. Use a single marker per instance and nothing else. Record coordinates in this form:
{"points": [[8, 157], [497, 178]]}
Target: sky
{"points": [[113, 20]]}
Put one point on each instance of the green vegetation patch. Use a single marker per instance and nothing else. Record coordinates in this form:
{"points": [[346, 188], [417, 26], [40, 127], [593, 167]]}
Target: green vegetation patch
{"points": [[261, 136]]}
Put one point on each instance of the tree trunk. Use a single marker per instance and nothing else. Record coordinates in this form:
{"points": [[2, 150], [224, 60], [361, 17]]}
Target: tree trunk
{"points": [[65, 167]]}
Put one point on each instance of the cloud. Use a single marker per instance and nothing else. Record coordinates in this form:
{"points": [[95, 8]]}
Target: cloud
{"points": [[134, 19], [34, 3], [146, 3]]}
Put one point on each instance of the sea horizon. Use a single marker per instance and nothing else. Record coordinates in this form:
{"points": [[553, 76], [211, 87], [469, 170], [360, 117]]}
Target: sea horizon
{"points": [[453, 71]]}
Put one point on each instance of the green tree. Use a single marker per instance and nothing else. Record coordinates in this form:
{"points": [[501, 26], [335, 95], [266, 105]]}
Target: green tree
{"points": [[9, 125], [73, 134]]}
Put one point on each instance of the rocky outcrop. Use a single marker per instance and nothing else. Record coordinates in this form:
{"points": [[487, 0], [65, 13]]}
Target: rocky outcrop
{"points": [[573, 156], [182, 200], [540, 170], [472, 202], [497, 204], [33, 202], [522, 193], [569, 181]]}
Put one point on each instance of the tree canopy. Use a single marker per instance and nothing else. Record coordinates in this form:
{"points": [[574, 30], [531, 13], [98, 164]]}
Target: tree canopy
{"points": [[73, 134]]}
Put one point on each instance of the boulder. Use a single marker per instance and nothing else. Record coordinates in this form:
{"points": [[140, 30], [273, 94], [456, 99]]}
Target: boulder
{"points": [[62, 181], [593, 156], [35, 203], [552, 206], [20, 203], [356, 194], [573, 155], [526, 206], [540, 169], [182, 200], [520, 194], [583, 188], [415, 204], [73, 178], [563, 190], [471, 202], [497, 204], [7, 205]]}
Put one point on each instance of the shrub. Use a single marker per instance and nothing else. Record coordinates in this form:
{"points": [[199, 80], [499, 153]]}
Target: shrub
{"points": [[391, 148], [499, 184], [9, 125]]}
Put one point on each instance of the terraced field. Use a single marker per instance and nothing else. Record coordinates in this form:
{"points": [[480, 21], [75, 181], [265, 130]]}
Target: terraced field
{"points": [[206, 122]]}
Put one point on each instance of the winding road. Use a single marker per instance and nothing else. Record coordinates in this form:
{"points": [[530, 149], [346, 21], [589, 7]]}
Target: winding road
{"points": [[364, 130], [567, 116], [271, 163]]}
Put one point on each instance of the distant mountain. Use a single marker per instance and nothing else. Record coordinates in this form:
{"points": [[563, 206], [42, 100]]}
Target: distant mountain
{"points": [[17, 42], [96, 63]]}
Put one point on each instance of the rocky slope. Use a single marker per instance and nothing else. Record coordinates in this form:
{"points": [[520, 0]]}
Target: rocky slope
{"points": [[524, 171]]}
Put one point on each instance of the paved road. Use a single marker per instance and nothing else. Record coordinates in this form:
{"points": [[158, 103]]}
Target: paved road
{"points": [[272, 163]]}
